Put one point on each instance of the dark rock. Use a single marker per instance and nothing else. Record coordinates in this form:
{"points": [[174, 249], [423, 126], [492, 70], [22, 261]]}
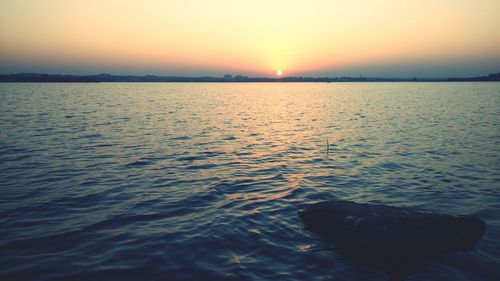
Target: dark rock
{"points": [[397, 240]]}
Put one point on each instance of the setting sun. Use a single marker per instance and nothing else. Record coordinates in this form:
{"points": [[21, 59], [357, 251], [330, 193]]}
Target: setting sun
{"points": [[279, 72], [196, 38]]}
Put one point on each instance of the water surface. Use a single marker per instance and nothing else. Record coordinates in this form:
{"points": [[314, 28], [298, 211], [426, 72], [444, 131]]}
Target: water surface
{"points": [[163, 181]]}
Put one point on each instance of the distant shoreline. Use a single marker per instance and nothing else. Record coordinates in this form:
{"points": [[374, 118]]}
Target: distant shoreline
{"points": [[66, 78]]}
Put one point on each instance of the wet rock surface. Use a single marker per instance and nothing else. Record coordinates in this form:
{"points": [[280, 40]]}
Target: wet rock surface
{"points": [[396, 240]]}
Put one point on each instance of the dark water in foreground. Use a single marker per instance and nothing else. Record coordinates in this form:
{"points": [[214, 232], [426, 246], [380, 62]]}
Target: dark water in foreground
{"points": [[204, 181]]}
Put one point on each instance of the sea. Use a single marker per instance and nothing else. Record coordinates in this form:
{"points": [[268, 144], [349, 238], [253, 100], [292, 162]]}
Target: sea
{"points": [[204, 181]]}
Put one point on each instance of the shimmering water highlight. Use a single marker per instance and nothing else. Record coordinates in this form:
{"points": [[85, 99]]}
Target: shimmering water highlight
{"points": [[203, 181]]}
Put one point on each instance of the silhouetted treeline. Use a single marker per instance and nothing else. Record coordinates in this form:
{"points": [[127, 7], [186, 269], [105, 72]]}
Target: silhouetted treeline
{"points": [[36, 77], [491, 77]]}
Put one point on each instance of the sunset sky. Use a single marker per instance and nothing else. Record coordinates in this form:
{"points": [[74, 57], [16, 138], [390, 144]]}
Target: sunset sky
{"points": [[424, 38]]}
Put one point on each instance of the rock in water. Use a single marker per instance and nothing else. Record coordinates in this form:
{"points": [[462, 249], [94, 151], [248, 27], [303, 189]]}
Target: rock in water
{"points": [[397, 240]]}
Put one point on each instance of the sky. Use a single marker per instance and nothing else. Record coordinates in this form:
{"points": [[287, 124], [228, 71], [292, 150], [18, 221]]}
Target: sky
{"points": [[390, 38]]}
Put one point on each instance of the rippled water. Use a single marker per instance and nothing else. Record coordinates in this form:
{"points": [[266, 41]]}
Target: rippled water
{"points": [[204, 181]]}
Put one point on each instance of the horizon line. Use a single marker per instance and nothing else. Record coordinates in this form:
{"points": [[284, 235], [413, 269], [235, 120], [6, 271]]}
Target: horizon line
{"points": [[241, 76], [107, 77]]}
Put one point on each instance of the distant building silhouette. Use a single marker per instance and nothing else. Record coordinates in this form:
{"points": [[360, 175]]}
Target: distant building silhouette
{"points": [[37, 77]]}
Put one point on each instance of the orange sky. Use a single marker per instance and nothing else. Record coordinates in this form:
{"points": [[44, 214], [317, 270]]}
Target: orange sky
{"points": [[302, 37]]}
